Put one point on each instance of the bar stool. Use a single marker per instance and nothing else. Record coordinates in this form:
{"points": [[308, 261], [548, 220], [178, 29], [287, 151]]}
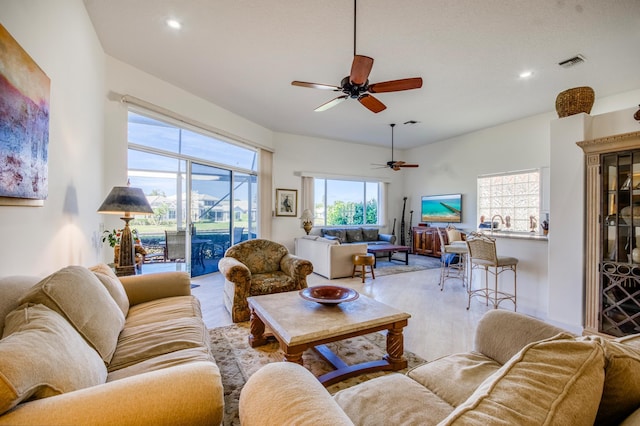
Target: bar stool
{"points": [[363, 260], [482, 254], [447, 269]]}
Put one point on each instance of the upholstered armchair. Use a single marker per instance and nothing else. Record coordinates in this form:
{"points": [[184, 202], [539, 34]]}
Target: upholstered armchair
{"points": [[256, 267]]}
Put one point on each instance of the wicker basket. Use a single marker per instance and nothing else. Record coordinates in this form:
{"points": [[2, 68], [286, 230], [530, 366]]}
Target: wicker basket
{"points": [[575, 101]]}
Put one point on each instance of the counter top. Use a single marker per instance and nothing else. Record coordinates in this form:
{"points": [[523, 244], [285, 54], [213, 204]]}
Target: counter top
{"points": [[517, 235]]}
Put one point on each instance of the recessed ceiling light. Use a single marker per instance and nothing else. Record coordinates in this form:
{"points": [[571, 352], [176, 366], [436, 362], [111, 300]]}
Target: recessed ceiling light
{"points": [[526, 74], [174, 24]]}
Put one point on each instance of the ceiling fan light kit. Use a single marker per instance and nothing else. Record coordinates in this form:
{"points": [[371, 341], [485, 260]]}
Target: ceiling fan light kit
{"points": [[356, 84]]}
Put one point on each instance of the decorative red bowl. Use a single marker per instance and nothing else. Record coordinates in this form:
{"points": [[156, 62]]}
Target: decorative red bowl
{"points": [[329, 294]]}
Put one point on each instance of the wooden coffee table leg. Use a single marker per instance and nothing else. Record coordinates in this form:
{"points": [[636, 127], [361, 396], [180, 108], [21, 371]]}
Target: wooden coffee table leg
{"points": [[256, 338], [292, 357], [395, 349]]}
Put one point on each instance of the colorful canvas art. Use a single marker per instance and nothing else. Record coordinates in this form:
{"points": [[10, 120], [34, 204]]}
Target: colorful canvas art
{"points": [[24, 122]]}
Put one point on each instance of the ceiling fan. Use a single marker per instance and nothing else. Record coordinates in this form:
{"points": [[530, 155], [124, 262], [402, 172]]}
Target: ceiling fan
{"points": [[356, 84], [395, 165]]}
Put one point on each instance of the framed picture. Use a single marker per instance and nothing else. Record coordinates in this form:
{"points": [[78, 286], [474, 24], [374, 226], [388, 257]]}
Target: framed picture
{"points": [[286, 202], [24, 126]]}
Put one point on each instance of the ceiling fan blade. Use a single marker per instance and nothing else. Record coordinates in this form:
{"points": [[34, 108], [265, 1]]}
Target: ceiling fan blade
{"points": [[372, 103], [396, 85], [409, 165], [360, 69], [315, 85], [325, 106]]}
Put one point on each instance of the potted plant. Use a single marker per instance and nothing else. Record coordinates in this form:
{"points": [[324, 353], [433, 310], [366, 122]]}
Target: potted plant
{"points": [[113, 238]]}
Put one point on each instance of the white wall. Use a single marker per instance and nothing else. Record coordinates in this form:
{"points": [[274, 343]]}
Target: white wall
{"points": [[295, 154], [453, 165], [60, 38]]}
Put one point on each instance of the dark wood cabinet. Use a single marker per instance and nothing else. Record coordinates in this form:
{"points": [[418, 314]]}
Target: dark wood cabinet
{"points": [[426, 241]]}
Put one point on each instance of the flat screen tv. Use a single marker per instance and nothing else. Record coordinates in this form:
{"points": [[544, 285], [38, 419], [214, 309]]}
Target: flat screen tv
{"points": [[441, 208]]}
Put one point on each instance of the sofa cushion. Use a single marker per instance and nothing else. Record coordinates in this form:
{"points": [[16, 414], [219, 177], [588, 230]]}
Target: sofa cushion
{"points": [[621, 394], [170, 359], [41, 355], [370, 234], [340, 233], [555, 381], [167, 308], [113, 285], [143, 342], [77, 294], [272, 282], [13, 287], [455, 377], [393, 399], [354, 235]]}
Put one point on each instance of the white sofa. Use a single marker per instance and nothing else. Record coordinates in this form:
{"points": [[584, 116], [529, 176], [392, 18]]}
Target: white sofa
{"points": [[330, 258]]}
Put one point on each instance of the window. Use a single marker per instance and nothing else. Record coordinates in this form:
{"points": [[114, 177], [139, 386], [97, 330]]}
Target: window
{"points": [[346, 202], [514, 196]]}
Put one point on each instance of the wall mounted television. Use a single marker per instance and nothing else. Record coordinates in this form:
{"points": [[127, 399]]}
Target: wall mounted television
{"points": [[441, 208]]}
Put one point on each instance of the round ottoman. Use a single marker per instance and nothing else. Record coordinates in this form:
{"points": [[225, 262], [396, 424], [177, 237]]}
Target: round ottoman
{"points": [[363, 260]]}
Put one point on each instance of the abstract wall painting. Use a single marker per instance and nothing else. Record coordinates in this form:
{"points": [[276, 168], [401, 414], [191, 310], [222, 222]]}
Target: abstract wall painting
{"points": [[24, 126]]}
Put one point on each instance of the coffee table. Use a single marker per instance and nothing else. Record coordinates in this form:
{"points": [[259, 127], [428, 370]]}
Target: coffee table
{"points": [[299, 324], [390, 249]]}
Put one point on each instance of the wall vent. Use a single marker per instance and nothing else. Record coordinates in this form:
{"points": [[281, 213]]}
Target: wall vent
{"points": [[578, 59]]}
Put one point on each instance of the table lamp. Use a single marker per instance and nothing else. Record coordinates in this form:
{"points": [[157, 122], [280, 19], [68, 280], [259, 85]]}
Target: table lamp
{"points": [[307, 220], [128, 201]]}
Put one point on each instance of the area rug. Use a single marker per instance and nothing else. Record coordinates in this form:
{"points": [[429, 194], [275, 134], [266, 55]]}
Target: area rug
{"points": [[238, 361], [416, 263]]}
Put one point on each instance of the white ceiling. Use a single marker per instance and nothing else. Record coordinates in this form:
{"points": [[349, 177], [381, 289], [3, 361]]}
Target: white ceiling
{"points": [[243, 54]]}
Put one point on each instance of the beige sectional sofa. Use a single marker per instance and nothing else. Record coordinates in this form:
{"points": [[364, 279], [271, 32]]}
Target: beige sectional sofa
{"points": [[521, 371], [83, 347], [329, 258]]}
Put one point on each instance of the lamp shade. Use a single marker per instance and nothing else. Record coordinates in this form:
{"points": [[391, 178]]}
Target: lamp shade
{"points": [[306, 215], [127, 200]]}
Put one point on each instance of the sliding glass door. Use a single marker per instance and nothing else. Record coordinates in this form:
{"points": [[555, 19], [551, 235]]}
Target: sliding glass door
{"points": [[202, 191]]}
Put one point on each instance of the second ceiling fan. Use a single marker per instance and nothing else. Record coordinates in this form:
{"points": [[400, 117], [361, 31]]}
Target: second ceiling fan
{"points": [[395, 165], [356, 84]]}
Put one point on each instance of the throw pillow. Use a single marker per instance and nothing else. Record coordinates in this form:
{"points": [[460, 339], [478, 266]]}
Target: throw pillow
{"points": [[113, 285], [341, 234], [554, 381], [354, 235], [370, 234], [41, 355], [621, 394], [77, 294]]}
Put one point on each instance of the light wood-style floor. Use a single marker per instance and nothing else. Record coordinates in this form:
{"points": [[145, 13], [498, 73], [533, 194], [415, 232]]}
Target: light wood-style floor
{"points": [[439, 325]]}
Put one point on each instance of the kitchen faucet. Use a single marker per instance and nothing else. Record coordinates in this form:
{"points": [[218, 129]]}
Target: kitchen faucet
{"points": [[494, 216]]}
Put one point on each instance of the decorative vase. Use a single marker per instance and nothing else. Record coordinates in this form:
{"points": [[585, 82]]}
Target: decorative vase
{"points": [[307, 226], [116, 253], [574, 101]]}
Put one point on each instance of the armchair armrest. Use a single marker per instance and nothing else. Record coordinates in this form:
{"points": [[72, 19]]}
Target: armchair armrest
{"points": [[501, 334], [284, 393], [391, 239], [296, 267], [185, 394], [236, 272], [143, 288]]}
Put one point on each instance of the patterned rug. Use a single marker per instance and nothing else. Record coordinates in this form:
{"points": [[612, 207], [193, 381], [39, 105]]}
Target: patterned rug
{"points": [[238, 361], [416, 263]]}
